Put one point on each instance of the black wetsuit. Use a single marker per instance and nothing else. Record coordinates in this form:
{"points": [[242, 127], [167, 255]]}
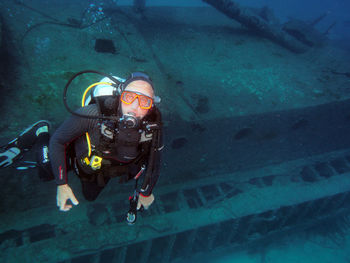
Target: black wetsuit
{"points": [[68, 149]]}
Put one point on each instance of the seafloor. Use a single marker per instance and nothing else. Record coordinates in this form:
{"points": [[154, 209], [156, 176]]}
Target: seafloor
{"points": [[235, 106]]}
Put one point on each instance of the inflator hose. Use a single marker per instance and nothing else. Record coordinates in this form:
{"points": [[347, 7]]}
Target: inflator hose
{"points": [[70, 81]]}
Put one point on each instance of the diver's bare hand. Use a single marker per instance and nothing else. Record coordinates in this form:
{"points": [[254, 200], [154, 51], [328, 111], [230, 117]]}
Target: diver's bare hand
{"points": [[145, 201], [64, 192]]}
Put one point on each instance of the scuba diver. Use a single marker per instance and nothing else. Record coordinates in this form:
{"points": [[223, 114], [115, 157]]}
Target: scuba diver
{"points": [[116, 133]]}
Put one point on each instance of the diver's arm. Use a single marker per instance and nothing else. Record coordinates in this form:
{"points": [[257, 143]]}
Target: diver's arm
{"points": [[72, 128], [146, 197], [152, 173], [151, 177]]}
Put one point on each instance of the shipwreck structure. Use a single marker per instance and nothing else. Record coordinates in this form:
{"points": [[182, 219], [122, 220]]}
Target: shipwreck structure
{"points": [[295, 35], [225, 201]]}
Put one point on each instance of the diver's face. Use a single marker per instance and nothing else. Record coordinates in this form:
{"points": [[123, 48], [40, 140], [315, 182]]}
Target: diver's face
{"points": [[134, 108]]}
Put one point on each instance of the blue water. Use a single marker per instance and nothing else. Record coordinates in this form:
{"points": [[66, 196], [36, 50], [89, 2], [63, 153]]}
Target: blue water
{"points": [[308, 10], [256, 160]]}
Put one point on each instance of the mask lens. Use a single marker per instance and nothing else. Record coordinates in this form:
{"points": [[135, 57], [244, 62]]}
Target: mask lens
{"points": [[145, 102], [128, 97]]}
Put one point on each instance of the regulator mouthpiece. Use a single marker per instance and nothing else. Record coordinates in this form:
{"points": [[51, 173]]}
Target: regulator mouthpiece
{"points": [[130, 121]]}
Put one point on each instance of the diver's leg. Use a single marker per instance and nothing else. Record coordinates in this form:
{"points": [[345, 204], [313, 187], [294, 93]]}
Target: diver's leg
{"points": [[29, 136], [91, 189], [24, 142], [92, 184], [42, 157]]}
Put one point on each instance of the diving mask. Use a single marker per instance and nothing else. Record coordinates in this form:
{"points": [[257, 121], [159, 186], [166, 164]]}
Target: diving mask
{"points": [[128, 97]]}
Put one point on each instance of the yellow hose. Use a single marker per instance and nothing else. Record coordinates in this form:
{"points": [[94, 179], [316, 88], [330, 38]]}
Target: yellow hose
{"points": [[83, 105], [90, 87]]}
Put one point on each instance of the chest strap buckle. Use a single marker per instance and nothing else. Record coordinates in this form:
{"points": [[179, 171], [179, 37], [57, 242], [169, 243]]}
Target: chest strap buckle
{"points": [[94, 162]]}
